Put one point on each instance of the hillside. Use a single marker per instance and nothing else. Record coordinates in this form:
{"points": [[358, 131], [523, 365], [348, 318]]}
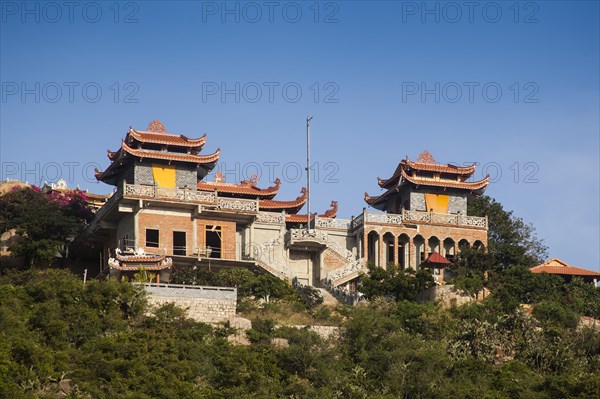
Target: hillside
{"points": [[61, 338]]}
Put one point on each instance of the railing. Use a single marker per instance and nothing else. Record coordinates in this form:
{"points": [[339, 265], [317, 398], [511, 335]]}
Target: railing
{"points": [[178, 194], [420, 217], [352, 268], [386, 218], [191, 195], [237, 204], [343, 295], [329, 223], [190, 291], [304, 235], [357, 221], [264, 255], [270, 217]]}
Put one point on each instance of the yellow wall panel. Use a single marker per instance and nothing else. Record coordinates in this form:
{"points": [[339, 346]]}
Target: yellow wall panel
{"points": [[164, 175], [437, 202]]}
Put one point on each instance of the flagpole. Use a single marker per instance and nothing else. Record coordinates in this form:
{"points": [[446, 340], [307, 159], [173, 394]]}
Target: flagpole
{"points": [[308, 119]]}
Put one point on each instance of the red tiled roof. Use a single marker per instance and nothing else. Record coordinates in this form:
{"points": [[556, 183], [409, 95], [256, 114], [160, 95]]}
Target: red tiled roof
{"points": [[406, 164], [170, 156], [164, 138], [448, 168], [476, 185], [140, 258], [557, 266], [245, 188], [119, 158], [435, 259], [289, 206], [329, 214], [146, 262]]}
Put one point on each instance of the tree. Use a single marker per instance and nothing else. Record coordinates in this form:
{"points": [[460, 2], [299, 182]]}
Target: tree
{"points": [[471, 270], [395, 283], [511, 241], [267, 286], [45, 225]]}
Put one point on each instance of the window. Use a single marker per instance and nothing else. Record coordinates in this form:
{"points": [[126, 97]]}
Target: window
{"points": [[152, 238], [179, 243], [213, 241]]}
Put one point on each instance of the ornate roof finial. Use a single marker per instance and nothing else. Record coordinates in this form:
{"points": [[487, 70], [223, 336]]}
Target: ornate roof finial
{"points": [[426, 157], [219, 177], [157, 127], [254, 179]]}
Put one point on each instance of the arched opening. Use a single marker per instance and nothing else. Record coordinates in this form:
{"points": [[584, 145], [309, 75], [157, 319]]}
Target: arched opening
{"points": [[434, 245], [478, 245], [419, 244], [403, 251], [373, 247], [388, 241], [463, 244], [449, 251]]}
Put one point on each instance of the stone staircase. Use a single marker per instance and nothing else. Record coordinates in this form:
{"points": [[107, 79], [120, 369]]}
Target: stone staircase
{"points": [[352, 267], [328, 298]]}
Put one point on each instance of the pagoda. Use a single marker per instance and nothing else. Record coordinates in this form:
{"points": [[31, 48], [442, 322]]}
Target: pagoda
{"points": [[425, 185], [155, 156], [425, 212]]}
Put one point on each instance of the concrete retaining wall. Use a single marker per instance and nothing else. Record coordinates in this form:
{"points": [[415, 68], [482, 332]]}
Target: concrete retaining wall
{"points": [[205, 304]]}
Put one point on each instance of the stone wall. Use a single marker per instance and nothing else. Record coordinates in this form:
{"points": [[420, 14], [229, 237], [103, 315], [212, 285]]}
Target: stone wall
{"points": [[417, 201], [142, 174], [186, 177], [204, 304], [457, 203], [446, 295]]}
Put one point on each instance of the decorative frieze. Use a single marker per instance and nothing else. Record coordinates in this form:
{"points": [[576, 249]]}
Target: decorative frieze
{"points": [[270, 217], [331, 223], [420, 217], [237, 204]]}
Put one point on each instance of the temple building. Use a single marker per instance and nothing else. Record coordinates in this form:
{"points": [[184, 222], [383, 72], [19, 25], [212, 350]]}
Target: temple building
{"points": [[165, 214]]}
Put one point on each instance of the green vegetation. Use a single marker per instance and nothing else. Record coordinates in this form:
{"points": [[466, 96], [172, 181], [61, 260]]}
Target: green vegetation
{"points": [[62, 338], [45, 222], [250, 285], [99, 341], [392, 282]]}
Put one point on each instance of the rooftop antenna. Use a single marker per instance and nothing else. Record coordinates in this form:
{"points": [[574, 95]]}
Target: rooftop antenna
{"points": [[308, 119]]}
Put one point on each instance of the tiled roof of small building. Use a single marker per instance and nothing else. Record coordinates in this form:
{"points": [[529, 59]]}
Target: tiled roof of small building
{"points": [[140, 261], [557, 266]]}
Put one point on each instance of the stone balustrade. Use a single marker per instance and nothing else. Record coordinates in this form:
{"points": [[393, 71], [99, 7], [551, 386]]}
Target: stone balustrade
{"points": [[305, 236], [419, 217], [191, 195], [333, 223], [270, 217]]}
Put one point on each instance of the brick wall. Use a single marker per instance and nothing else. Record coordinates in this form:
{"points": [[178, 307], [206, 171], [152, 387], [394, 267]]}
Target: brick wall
{"points": [[227, 236], [166, 222]]}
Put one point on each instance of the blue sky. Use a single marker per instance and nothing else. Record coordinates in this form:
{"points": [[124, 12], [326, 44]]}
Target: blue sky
{"points": [[512, 86]]}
